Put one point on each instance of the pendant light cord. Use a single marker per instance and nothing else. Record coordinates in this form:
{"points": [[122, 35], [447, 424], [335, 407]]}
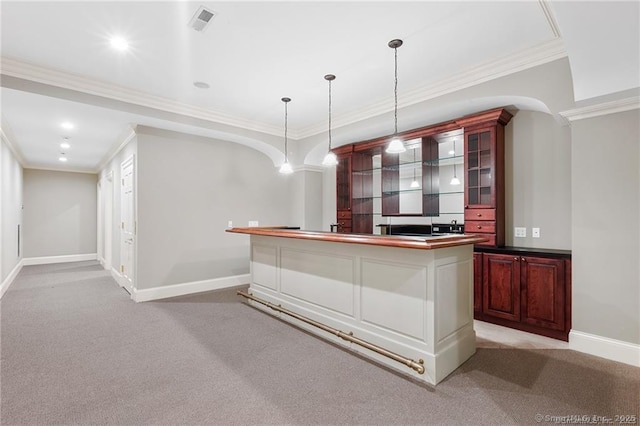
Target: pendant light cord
{"points": [[286, 149], [395, 91], [330, 114]]}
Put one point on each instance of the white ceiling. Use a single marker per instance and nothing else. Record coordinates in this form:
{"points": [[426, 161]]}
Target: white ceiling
{"points": [[57, 65]]}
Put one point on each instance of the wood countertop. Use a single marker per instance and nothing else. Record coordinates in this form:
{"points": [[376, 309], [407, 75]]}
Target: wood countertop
{"points": [[414, 242]]}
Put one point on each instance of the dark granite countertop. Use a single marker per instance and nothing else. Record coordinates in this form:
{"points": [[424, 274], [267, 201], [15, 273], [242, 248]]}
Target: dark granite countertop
{"points": [[524, 251]]}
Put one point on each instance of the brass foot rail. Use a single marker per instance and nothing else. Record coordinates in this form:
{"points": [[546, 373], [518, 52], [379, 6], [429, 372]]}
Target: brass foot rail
{"points": [[417, 366]]}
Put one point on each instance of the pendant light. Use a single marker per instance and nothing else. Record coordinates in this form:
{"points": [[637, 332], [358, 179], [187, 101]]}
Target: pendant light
{"points": [[286, 167], [454, 180], [396, 145], [414, 182], [330, 159]]}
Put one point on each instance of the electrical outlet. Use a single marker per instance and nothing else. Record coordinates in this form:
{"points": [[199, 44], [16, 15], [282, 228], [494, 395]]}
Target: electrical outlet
{"points": [[230, 224], [535, 232], [520, 232], [253, 223]]}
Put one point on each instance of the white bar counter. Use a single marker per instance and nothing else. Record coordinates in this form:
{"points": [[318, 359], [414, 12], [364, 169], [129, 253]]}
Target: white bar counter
{"points": [[412, 296]]}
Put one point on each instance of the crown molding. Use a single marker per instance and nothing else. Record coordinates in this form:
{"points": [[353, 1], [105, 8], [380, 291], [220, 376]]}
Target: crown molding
{"points": [[551, 18], [601, 109], [13, 147], [539, 54], [128, 137], [27, 71], [60, 169]]}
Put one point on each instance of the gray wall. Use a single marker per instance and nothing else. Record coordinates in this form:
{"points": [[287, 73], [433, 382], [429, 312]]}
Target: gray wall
{"points": [[606, 236], [10, 210], [59, 213], [188, 189], [538, 180], [306, 201]]}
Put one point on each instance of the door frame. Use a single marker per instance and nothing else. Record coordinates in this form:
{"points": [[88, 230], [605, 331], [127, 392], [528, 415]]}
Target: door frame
{"points": [[130, 283]]}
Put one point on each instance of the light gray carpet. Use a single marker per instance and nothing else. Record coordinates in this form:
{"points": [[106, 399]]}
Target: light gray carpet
{"points": [[76, 350]]}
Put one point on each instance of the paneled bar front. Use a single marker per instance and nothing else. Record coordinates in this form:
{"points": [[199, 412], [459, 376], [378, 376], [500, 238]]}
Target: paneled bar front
{"points": [[405, 302]]}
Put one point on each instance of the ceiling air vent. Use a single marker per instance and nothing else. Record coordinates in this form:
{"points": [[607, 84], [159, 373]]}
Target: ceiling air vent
{"points": [[201, 19]]}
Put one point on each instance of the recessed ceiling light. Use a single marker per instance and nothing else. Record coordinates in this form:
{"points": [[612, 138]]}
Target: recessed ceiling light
{"points": [[63, 159], [66, 125], [201, 84], [119, 43], [65, 143]]}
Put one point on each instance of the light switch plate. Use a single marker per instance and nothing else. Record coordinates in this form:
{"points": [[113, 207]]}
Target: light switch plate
{"points": [[230, 224], [520, 232], [535, 232], [253, 223]]}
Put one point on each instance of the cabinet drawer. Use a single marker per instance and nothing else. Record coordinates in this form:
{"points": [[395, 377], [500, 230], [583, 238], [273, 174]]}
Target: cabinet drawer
{"points": [[344, 223], [479, 214], [480, 227], [344, 214]]}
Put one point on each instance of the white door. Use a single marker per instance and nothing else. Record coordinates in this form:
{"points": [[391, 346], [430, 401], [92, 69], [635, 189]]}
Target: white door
{"points": [[127, 225]]}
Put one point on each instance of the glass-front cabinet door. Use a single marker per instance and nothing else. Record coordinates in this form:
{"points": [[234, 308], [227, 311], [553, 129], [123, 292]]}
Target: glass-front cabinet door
{"points": [[480, 168]]}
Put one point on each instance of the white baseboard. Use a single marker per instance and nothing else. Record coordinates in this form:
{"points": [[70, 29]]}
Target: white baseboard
{"points": [[615, 350], [182, 289], [12, 275], [59, 259], [117, 277]]}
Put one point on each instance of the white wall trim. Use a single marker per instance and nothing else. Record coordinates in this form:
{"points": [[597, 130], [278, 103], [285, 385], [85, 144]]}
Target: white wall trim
{"points": [[600, 109], [615, 350], [9, 280], [528, 58], [13, 147], [53, 77], [119, 279], [540, 54], [182, 289], [130, 135], [59, 259]]}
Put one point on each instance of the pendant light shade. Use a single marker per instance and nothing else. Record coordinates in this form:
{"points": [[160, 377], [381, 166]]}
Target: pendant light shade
{"points": [[396, 145], [286, 167], [330, 159]]}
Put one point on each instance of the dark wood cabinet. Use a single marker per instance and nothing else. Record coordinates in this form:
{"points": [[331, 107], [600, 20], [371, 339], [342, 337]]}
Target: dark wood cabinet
{"points": [[484, 174], [372, 184], [527, 292], [542, 302], [343, 188], [501, 286]]}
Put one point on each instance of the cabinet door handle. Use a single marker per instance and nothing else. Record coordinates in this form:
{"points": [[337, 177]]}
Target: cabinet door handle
{"points": [[523, 259], [479, 227], [516, 258]]}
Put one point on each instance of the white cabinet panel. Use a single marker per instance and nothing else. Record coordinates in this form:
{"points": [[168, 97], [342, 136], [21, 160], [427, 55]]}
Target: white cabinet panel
{"points": [[393, 296], [453, 290], [263, 266], [319, 278]]}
